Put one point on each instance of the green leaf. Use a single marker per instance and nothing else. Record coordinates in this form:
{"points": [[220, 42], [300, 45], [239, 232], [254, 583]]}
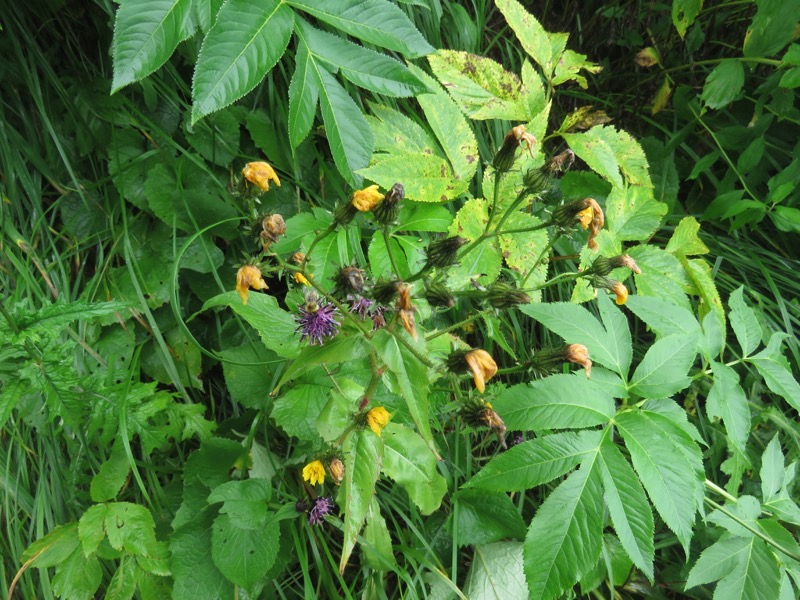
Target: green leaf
{"points": [[407, 460], [533, 38], [685, 241], [662, 276], [660, 454], [244, 556], [338, 350], [376, 542], [111, 476], [663, 370], [303, 98], [772, 28], [78, 577], [520, 250], [480, 86], [346, 128], [723, 84], [534, 462], [665, 318], [700, 275], [619, 333], [497, 573], [684, 12], [633, 213], [124, 581], [130, 527], [565, 537], [146, 34], [727, 401], [297, 411], [415, 216], [745, 568], [425, 178], [91, 529], [378, 22], [744, 322], [248, 372], [363, 452], [485, 258], [275, 326], [711, 342], [244, 43], [628, 506], [771, 472], [577, 326], [394, 131], [245, 502], [193, 568], [216, 139], [482, 517], [776, 372], [380, 261], [596, 153], [54, 548], [366, 68], [555, 402]]}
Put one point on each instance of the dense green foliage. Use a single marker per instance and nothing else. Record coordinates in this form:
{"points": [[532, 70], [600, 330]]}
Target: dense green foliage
{"points": [[227, 379]]}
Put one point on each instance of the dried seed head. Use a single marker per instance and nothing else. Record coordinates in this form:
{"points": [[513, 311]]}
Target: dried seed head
{"points": [[336, 469], [249, 276], [482, 366], [504, 159], [272, 228], [350, 280]]}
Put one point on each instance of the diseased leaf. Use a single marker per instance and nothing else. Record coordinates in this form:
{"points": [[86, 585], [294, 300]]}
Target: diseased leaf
{"points": [[425, 178], [684, 12], [633, 213], [531, 35]]}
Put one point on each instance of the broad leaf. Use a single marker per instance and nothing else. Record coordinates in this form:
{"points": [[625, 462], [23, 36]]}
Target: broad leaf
{"points": [[244, 556], [665, 318], [531, 35], [663, 370], [303, 98], [482, 517], [484, 260], [633, 213], [685, 240], [523, 248], [298, 409], [146, 34], [193, 568], [727, 401], [407, 460], [254, 35], [684, 12], [744, 322], [723, 84], [497, 573], [619, 333], [534, 462], [55, 547], [556, 402], [775, 370], [565, 537], [771, 472]]}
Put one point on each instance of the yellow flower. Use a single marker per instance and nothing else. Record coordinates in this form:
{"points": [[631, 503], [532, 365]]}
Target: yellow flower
{"points": [[377, 418], [247, 277], [620, 291], [260, 174], [366, 199], [314, 472], [482, 366], [585, 217], [300, 278]]}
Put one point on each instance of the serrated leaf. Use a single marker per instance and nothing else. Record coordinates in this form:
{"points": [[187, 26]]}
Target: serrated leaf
{"points": [[78, 577], [480, 86], [633, 213], [771, 472], [130, 527], [124, 581], [54, 548], [565, 537], [297, 410], [659, 455], [363, 453], [555, 402], [534, 462], [521, 249], [727, 401], [425, 178], [685, 240], [275, 326], [394, 131], [376, 21], [497, 573], [254, 36], [628, 506], [684, 12], [245, 502], [723, 84], [303, 97], [619, 333], [485, 259], [775, 370], [665, 318], [699, 272], [663, 370], [244, 556], [577, 326], [744, 322], [415, 216], [366, 68], [483, 517], [531, 35], [407, 460], [146, 34], [195, 574], [112, 474], [376, 542]]}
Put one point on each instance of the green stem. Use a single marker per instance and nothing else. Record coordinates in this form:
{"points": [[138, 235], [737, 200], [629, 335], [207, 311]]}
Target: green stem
{"points": [[542, 254], [715, 61], [317, 239], [423, 359], [452, 327]]}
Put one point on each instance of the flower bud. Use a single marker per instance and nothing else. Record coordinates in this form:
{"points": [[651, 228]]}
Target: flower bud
{"points": [[344, 213], [612, 285], [503, 295], [625, 260], [442, 253], [504, 159], [366, 199], [386, 211], [438, 295], [260, 174]]}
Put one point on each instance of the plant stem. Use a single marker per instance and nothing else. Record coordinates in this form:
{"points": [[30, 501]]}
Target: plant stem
{"points": [[542, 254], [452, 327]]}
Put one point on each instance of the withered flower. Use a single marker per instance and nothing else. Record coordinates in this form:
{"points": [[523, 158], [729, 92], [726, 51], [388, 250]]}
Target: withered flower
{"points": [[587, 212], [482, 366], [493, 421], [579, 354], [350, 280], [336, 469], [504, 159], [272, 228], [405, 310], [612, 285], [625, 260], [260, 174], [377, 419], [384, 291], [249, 276]]}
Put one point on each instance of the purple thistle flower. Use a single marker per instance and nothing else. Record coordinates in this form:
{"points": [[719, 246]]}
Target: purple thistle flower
{"points": [[322, 506], [317, 320]]}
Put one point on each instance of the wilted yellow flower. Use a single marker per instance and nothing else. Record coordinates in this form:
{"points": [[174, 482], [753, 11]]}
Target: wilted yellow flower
{"points": [[482, 366], [272, 228], [366, 199], [314, 472], [300, 278], [620, 291], [336, 469], [585, 217], [625, 261], [377, 418], [579, 354], [249, 276], [260, 174]]}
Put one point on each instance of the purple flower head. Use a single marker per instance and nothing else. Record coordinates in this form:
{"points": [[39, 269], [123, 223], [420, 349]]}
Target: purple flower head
{"points": [[360, 306], [317, 320], [322, 507]]}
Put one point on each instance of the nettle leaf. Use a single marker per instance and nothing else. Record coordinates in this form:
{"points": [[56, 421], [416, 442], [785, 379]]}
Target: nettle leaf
{"points": [[577, 326], [555, 402], [723, 84], [275, 326], [669, 465], [665, 318], [483, 517], [633, 213], [628, 506], [484, 260], [745, 568], [775, 370], [727, 401], [565, 536], [366, 68], [480, 86], [535, 462], [146, 34], [744, 322], [378, 22], [407, 460], [303, 97], [497, 573], [254, 36], [663, 370], [363, 452]]}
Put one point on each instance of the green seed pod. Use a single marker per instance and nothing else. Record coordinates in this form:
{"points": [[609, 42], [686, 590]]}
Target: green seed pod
{"points": [[437, 295], [503, 295], [442, 253], [344, 213]]}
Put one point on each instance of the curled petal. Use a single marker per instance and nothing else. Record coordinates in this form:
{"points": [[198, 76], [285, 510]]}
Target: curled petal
{"points": [[260, 174], [249, 276], [482, 366]]}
